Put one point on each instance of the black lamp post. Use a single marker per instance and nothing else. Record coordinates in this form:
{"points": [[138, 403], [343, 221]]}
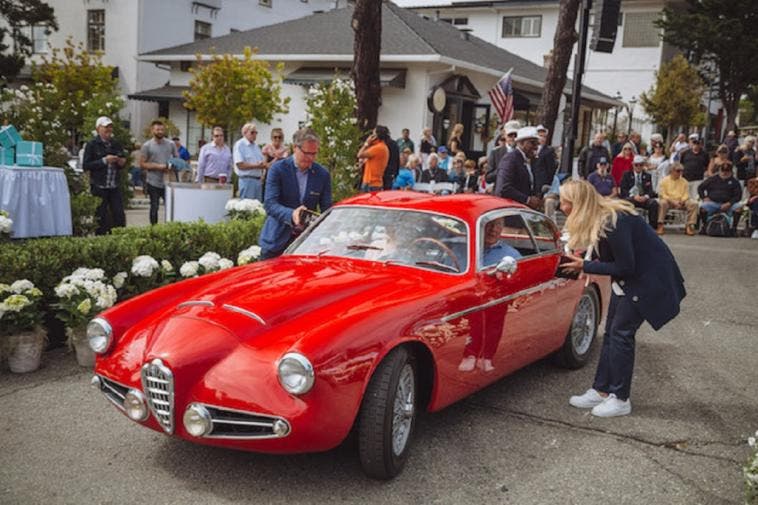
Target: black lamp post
{"points": [[616, 113], [630, 108]]}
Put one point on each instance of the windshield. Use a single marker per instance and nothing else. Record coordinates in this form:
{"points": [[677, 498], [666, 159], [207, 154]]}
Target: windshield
{"points": [[418, 239]]}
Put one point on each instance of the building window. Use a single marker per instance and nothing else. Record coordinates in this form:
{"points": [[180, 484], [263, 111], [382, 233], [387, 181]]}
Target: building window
{"points": [[38, 35], [202, 30], [639, 30], [522, 26], [265, 3], [96, 30], [455, 21]]}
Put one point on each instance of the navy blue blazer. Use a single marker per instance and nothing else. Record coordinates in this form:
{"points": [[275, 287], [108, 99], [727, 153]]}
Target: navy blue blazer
{"points": [[283, 197], [635, 257], [513, 178], [627, 183]]}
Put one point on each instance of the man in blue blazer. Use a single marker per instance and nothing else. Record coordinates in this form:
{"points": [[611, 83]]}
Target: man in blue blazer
{"points": [[637, 188], [514, 173], [294, 186]]}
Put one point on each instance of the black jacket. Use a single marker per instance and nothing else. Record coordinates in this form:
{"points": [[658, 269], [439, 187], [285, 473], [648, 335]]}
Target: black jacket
{"points": [[94, 152], [436, 175], [720, 190], [544, 168], [655, 287], [627, 183], [513, 178], [393, 164], [589, 157], [493, 161]]}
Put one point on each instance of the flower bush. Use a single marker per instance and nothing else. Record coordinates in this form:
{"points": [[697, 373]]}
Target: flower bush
{"points": [[83, 294], [252, 253], [145, 274], [208, 262], [19, 307], [6, 225], [244, 208], [750, 472]]}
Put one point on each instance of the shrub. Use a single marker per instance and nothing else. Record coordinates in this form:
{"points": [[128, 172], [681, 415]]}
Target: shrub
{"points": [[19, 307]]}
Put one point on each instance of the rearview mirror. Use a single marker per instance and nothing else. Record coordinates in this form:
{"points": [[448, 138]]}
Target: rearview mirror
{"points": [[507, 265]]}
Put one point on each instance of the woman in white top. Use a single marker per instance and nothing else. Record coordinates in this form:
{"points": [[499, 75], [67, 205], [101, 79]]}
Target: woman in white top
{"points": [[654, 161]]}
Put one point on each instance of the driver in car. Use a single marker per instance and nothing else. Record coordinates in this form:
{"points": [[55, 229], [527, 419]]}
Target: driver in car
{"points": [[495, 249]]}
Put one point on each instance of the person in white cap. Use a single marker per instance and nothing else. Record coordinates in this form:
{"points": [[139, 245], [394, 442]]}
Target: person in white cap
{"points": [[694, 159], [103, 158], [515, 179], [508, 144], [637, 188]]}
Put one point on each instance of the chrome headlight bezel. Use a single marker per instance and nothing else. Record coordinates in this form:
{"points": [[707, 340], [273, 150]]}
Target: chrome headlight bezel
{"points": [[99, 335], [197, 420], [135, 405], [295, 373]]}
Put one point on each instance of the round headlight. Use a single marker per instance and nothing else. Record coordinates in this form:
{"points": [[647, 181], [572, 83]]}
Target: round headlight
{"points": [[197, 420], [135, 405], [296, 373], [99, 335]]}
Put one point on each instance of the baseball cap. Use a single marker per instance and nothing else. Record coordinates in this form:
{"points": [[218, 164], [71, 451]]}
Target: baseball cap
{"points": [[640, 159], [442, 149], [526, 133], [603, 160], [103, 121], [541, 128], [694, 136]]}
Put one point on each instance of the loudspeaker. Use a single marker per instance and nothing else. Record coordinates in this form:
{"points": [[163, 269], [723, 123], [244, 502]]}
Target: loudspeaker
{"points": [[605, 25]]}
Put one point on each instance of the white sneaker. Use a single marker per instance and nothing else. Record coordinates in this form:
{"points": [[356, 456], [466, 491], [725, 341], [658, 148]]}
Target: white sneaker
{"points": [[485, 365], [755, 234], [589, 399], [467, 364], [612, 407]]}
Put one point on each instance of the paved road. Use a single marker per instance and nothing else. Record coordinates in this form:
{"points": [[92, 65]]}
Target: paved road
{"points": [[516, 442]]}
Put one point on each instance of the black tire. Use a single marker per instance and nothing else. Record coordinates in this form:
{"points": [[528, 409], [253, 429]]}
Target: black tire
{"points": [[381, 457], [582, 332]]}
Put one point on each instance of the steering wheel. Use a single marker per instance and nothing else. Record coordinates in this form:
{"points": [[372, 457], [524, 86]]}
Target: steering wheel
{"points": [[446, 251]]}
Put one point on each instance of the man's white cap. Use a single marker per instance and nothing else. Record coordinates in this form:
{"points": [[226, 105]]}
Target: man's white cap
{"points": [[511, 127], [527, 132], [103, 121], [694, 136], [640, 159], [541, 128]]}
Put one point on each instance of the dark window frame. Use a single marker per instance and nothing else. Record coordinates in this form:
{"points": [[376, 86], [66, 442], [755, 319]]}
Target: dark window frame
{"points": [[521, 20], [95, 30]]}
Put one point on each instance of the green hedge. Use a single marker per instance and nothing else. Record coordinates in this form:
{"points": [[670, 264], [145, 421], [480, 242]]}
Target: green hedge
{"points": [[46, 261]]}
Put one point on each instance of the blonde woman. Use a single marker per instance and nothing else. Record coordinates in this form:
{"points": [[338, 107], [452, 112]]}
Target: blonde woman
{"points": [[454, 142], [642, 290]]}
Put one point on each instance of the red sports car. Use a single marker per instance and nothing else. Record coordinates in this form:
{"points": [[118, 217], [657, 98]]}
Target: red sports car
{"points": [[389, 303]]}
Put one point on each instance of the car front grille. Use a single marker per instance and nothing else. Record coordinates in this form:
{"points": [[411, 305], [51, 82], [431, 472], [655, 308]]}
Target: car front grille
{"points": [[158, 386], [113, 391], [242, 425]]}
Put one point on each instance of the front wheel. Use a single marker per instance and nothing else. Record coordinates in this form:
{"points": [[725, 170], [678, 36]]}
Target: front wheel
{"points": [[583, 332], [388, 416]]}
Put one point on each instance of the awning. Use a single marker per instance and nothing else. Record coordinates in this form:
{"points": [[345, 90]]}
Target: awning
{"points": [[166, 93], [392, 78]]}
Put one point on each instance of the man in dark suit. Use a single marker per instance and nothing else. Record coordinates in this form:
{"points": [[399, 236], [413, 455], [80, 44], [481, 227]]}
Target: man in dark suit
{"points": [[294, 186], [514, 174], [637, 188], [506, 145], [545, 165]]}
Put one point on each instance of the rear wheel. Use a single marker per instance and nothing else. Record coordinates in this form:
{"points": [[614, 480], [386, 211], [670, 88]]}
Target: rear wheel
{"points": [[388, 416], [583, 331]]}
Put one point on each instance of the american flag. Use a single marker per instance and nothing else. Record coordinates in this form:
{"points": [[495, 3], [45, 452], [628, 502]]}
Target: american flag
{"points": [[501, 96]]}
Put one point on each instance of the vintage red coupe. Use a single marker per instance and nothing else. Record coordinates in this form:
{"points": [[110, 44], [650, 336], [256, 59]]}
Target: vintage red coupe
{"points": [[390, 303]]}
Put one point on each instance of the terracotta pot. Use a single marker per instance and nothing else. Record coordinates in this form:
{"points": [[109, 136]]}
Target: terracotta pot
{"points": [[78, 340], [25, 351]]}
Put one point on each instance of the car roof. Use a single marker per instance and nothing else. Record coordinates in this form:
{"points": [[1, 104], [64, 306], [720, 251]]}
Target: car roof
{"points": [[465, 206]]}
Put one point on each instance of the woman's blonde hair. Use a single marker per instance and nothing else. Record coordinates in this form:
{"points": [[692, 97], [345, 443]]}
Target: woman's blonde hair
{"points": [[457, 129], [592, 215]]}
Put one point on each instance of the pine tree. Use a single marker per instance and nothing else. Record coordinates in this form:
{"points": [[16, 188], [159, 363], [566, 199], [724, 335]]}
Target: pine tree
{"points": [[17, 15]]}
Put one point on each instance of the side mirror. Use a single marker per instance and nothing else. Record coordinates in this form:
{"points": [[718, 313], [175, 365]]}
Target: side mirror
{"points": [[507, 265]]}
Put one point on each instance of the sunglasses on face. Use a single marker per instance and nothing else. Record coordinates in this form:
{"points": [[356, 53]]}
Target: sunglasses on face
{"points": [[277, 137]]}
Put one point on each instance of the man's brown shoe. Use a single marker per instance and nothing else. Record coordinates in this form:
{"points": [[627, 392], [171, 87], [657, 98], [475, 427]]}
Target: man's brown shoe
{"points": [[689, 230], [659, 230]]}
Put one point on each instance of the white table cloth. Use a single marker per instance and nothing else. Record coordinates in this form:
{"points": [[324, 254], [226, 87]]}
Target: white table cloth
{"points": [[37, 200]]}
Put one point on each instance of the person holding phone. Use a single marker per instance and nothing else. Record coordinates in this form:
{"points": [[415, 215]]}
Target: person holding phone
{"points": [[295, 188], [642, 290]]}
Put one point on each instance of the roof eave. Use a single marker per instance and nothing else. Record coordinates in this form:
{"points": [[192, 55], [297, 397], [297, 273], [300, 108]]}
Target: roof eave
{"points": [[390, 58]]}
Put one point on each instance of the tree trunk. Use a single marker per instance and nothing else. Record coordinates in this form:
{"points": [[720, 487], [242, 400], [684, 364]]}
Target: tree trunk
{"points": [[367, 25], [563, 45]]}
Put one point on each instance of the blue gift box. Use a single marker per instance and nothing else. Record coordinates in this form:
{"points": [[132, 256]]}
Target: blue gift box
{"points": [[9, 137], [7, 156], [29, 154]]}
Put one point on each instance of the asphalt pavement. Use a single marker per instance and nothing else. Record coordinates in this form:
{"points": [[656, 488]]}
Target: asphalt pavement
{"points": [[518, 441]]}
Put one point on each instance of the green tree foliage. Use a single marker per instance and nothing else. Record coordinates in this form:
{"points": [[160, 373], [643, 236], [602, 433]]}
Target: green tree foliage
{"points": [[171, 129], [722, 33], [16, 16], [674, 99], [331, 109], [230, 91]]}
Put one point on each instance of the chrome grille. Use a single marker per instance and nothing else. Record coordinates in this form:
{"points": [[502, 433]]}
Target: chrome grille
{"points": [[228, 423], [113, 391], [158, 386]]}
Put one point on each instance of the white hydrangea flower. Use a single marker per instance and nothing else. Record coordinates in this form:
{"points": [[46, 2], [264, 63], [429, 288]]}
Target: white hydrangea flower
{"points": [[144, 266], [252, 253], [119, 279], [85, 306], [167, 267], [6, 225], [4, 287], [209, 261], [15, 303], [66, 290], [21, 286], [189, 269], [225, 263]]}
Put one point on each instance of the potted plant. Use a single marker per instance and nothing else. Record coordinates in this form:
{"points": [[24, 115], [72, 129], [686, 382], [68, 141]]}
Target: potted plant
{"points": [[81, 296], [20, 318]]}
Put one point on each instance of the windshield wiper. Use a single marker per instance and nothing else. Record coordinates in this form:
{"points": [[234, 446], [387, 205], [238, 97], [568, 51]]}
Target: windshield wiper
{"points": [[363, 247], [438, 265]]}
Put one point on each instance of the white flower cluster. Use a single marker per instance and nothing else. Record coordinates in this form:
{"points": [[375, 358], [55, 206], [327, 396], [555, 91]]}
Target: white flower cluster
{"points": [[144, 266], [244, 205], [22, 294], [189, 269], [250, 254], [87, 282], [6, 223], [208, 262], [119, 279]]}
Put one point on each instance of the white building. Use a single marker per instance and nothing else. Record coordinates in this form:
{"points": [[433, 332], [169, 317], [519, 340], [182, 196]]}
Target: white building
{"points": [[527, 28], [418, 58], [123, 29]]}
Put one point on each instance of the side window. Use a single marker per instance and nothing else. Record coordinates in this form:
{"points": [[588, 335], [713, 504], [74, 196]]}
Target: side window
{"points": [[544, 232], [502, 235]]}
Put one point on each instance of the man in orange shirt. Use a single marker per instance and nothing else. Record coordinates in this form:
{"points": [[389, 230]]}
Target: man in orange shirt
{"points": [[375, 154]]}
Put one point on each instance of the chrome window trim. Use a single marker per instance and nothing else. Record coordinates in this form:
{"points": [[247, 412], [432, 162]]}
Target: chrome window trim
{"points": [[552, 283], [507, 211], [534, 213], [244, 312], [190, 303], [244, 423], [288, 251]]}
